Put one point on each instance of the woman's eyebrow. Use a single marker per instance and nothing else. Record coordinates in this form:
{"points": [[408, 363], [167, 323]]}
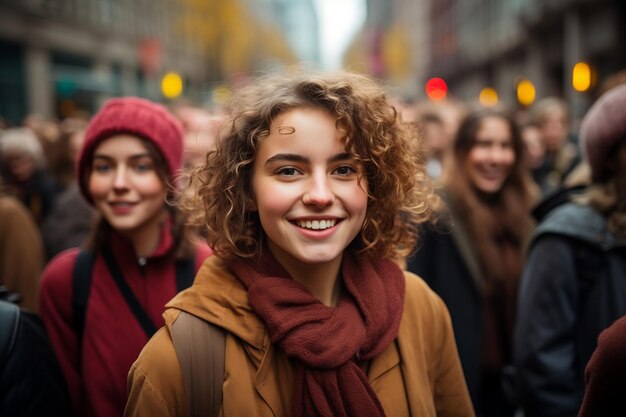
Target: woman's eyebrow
{"points": [[341, 157], [292, 157], [135, 156]]}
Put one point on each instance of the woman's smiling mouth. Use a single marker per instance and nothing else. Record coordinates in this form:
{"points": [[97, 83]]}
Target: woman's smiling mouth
{"points": [[316, 224]]}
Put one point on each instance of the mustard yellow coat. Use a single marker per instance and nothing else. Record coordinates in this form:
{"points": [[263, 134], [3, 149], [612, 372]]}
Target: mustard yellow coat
{"points": [[418, 375]]}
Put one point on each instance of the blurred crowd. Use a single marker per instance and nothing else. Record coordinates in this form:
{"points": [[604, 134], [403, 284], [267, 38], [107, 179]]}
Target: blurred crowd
{"points": [[527, 250]]}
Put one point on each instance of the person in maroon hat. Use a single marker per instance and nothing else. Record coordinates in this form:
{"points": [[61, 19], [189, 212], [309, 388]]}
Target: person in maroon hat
{"points": [[100, 304], [573, 285]]}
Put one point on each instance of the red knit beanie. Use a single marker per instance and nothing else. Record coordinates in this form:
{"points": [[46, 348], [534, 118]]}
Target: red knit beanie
{"points": [[603, 128], [138, 117]]}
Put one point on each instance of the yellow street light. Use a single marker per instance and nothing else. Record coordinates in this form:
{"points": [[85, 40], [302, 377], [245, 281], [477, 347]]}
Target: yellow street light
{"points": [[488, 97], [525, 92], [581, 76], [171, 85]]}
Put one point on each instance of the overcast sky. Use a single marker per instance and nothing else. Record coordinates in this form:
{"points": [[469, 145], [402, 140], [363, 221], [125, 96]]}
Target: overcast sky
{"points": [[339, 21]]}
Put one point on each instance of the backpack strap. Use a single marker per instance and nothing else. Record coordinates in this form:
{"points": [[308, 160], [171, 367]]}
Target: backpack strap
{"points": [[9, 325], [200, 347], [81, 284], [140, 313]]}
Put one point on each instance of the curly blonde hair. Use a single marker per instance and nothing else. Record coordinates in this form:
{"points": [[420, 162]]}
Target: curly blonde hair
{"points": [[400, 195]]}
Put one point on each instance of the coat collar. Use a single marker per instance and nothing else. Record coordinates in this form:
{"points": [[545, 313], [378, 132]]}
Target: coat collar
{"points": [[123, 247], [218, 297]]}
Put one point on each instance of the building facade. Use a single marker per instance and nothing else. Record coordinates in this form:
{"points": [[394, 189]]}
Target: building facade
{"points": [[497, 43], [474, 44], [59, 57]]}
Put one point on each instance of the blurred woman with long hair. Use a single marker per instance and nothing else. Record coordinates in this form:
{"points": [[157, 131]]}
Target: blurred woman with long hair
{"points": [[473, 255]]}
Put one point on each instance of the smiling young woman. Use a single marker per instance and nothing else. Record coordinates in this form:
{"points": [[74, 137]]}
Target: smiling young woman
{"points": [[309, 201], [473, 257], [131, 152]]}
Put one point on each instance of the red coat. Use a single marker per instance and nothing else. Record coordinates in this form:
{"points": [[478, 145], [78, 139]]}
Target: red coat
{"points": [[605, 374], [96, 372]]}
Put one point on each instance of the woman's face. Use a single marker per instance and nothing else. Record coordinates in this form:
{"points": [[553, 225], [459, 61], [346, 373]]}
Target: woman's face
{"points": [[490, 160], [554, 129], [307, 191], [21, 165], [125, 186]]}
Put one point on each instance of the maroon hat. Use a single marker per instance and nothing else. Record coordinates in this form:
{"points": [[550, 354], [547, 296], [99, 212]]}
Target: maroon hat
{"points": [[603, 128], [138, 117]]}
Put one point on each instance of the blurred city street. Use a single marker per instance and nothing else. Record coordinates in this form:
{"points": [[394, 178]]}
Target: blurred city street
{"points": [[463, 204], [63, 57]]}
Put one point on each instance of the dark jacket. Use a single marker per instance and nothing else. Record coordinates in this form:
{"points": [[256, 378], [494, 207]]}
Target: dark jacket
{"points": [[573, 286], [447, 262], [31, 382]]}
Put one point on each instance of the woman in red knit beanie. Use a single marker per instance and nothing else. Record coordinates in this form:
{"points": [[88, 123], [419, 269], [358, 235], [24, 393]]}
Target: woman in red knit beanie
{"points": [[100, 304], [309, 201]]}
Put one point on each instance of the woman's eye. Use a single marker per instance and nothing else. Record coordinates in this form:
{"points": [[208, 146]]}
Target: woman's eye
{"points": [[102, 168], [345, 170], [287, 172], [143, 166]]}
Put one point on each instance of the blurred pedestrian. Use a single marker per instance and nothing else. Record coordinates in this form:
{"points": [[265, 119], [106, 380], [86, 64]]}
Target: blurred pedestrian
{"points": [[24, 171], [71, 219], [573, 284], [560, 153], [64, 152], [47, 131], [31, 382], [102, 304], [434, 143], [201, 127], [308, 199], [533, 146], [21, 252], [473, 256]]}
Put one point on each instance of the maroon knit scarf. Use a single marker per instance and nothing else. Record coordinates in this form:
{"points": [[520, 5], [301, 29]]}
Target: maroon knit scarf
{"points": [[327, 342]]}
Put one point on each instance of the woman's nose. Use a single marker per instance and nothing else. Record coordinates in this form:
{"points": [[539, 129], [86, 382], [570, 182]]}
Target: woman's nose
{"points": [[498, 154], [120, 181], [319, 193]]}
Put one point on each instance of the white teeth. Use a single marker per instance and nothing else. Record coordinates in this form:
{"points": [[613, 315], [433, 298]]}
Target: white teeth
{"points": [[316, 224]]}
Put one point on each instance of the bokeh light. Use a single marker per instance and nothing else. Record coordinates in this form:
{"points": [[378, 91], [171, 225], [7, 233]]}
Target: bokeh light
{"points": [[488, 97], [526, 92], [436, 89], [171, 85]]}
